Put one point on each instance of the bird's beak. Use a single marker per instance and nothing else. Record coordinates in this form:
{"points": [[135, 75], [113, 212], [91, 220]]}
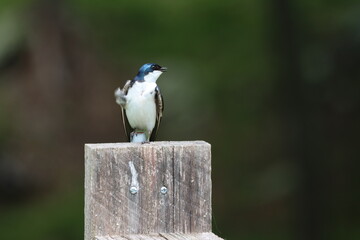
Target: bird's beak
{"points": [[163, 69]]}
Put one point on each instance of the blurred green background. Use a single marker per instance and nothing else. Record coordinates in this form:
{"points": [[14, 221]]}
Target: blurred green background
{"points": [[273, 85]]}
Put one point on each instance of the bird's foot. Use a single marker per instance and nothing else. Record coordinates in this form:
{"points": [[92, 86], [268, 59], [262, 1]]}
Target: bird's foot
{"points": [[139, 137], [145, 142]]}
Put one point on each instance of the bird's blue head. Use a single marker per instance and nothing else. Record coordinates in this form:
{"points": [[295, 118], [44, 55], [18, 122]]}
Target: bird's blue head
{"points": [[149, 72]]}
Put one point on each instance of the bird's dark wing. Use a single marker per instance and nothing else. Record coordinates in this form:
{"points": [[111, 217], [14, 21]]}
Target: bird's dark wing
{"points": [[159, 101], [126, 124]]}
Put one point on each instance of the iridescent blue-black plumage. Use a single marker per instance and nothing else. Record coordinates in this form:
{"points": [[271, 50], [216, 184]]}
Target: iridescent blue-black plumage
{"points": [[148, 68]]}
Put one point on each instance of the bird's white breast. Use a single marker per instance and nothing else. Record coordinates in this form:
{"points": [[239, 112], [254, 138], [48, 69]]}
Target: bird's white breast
{"points": [[140, 108], [152, 76]]}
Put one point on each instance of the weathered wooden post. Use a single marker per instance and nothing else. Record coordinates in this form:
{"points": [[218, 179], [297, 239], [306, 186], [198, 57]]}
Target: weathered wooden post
{"points": [[158, 190]]}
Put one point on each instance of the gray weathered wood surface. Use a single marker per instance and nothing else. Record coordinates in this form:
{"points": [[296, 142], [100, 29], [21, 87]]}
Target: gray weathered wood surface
{"points": [[163, 236], [184, 168]]}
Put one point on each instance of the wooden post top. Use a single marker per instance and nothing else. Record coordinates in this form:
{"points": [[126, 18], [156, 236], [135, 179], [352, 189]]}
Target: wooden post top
{"points": [[149, 144], [146, 189]]}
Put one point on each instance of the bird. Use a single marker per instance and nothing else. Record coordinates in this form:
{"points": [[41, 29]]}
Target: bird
{"points": [[142, 104]]}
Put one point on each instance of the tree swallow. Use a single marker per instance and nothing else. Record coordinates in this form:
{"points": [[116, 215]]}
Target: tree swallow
{"points": [[142, 104]]}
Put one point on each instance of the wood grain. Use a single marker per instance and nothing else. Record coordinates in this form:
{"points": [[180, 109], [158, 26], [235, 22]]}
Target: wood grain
{"points": [[165, 236], [184, 168], [190, 236]]}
